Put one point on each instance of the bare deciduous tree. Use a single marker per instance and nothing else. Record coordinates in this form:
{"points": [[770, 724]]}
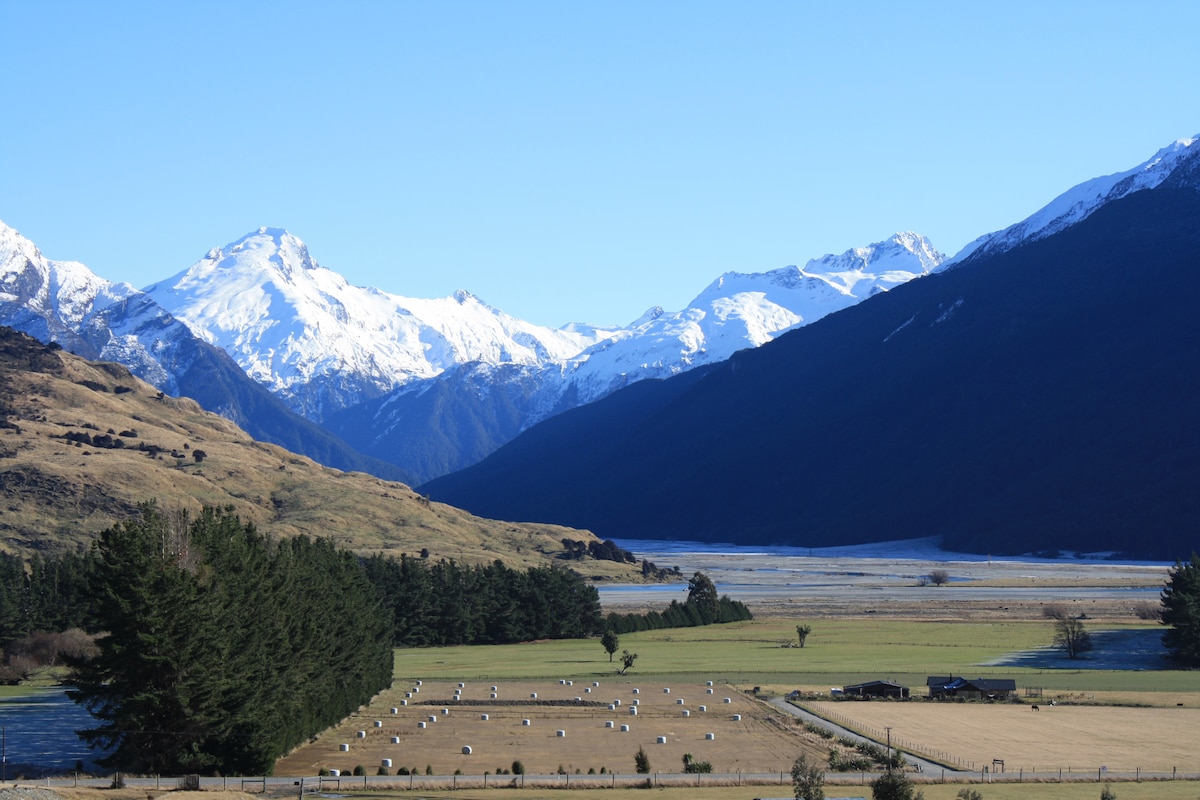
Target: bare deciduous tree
{"points": [[1070, 635]]}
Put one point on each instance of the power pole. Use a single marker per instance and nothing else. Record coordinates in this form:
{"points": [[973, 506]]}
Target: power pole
{"points": [[889, 738]]}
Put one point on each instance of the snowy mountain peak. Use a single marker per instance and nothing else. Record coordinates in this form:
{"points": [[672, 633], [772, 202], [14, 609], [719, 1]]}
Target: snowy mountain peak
{"points": [[322, 344], [62, 293], [1078, 203]]}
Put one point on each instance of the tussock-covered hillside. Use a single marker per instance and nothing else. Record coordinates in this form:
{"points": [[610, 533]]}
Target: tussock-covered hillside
{"points": [[83, 443]]}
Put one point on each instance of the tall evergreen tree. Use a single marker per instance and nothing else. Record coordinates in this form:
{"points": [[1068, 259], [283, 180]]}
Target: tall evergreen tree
{"points": [[1181, 611]]}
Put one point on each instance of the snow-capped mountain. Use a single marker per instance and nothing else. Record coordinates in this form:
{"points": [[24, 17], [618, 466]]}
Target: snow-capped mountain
{"points": [[448, 380], [322, 344], [66, 303], [49, 299], [740, 310], [1078, 203], [438, 425]]}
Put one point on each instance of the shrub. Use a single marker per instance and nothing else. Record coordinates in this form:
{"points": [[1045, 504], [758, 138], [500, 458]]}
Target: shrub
{"points": [[518, 768], [1147, 610], [360, 770], [1054, 611]]}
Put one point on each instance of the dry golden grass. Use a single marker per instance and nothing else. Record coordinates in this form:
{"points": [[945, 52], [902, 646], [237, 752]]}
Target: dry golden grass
{"points": [[1060, 736], [55, 494], [762, 741]]}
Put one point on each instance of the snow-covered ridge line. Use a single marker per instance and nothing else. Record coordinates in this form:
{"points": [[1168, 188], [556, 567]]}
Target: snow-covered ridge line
{"points": [[1078, 203]]}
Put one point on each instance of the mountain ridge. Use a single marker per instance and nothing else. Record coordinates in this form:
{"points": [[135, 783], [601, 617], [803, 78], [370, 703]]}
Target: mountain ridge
{"points": [[83, 443], [1034, 399]]}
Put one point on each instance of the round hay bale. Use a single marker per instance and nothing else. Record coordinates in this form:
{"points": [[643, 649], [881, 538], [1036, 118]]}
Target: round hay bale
{"points": [[709, 683], [387, 762], [703, 709], [483, 717], [361, 734], [466, 749], [395, 740], [420, 724], [378, 723], [633, 711], [608, 724], [625, 729], [636, 691], [737, 717], [345, 748], [687, 713], [526, 723], [661, 740], [395, 710], [710, 736], [679, 701], [560, 734]]}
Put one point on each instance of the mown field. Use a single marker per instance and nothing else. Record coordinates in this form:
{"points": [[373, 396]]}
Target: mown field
{"points": [[1106, 723]]}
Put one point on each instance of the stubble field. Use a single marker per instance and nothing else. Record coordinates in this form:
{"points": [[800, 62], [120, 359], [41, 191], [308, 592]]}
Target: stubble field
{"points": [[870, 620]]}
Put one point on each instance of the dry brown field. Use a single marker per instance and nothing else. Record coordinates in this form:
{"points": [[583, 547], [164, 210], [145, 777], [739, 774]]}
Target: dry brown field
{"points": [[1079, 738], [761, 741]]}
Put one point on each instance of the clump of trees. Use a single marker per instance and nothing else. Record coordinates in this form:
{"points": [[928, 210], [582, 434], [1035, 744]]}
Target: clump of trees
{"points": [[47, 593], [447, 603], [1181, 611], [703, 607], [224, 650], [607, 550]]}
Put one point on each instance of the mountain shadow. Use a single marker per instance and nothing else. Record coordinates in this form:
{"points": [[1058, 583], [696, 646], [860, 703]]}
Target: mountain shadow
{"points": [[1040, 399]]}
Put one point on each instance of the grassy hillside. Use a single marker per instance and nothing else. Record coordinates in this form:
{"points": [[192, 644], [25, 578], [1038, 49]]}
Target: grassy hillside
{"points": [[60, 492]]}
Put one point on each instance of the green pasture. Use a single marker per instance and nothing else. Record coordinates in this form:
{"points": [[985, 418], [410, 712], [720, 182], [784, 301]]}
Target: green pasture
{"points": [[837, 652]]}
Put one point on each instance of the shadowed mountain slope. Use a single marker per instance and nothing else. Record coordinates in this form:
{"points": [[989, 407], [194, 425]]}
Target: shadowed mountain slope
{"points": [[1042, 398]]}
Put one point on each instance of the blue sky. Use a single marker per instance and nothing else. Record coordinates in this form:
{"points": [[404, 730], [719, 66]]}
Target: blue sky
{"points": [[571, 160]]}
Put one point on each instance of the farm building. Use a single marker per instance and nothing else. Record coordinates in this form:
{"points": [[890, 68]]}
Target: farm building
{"points": [[876, 689], [971, 688]]}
